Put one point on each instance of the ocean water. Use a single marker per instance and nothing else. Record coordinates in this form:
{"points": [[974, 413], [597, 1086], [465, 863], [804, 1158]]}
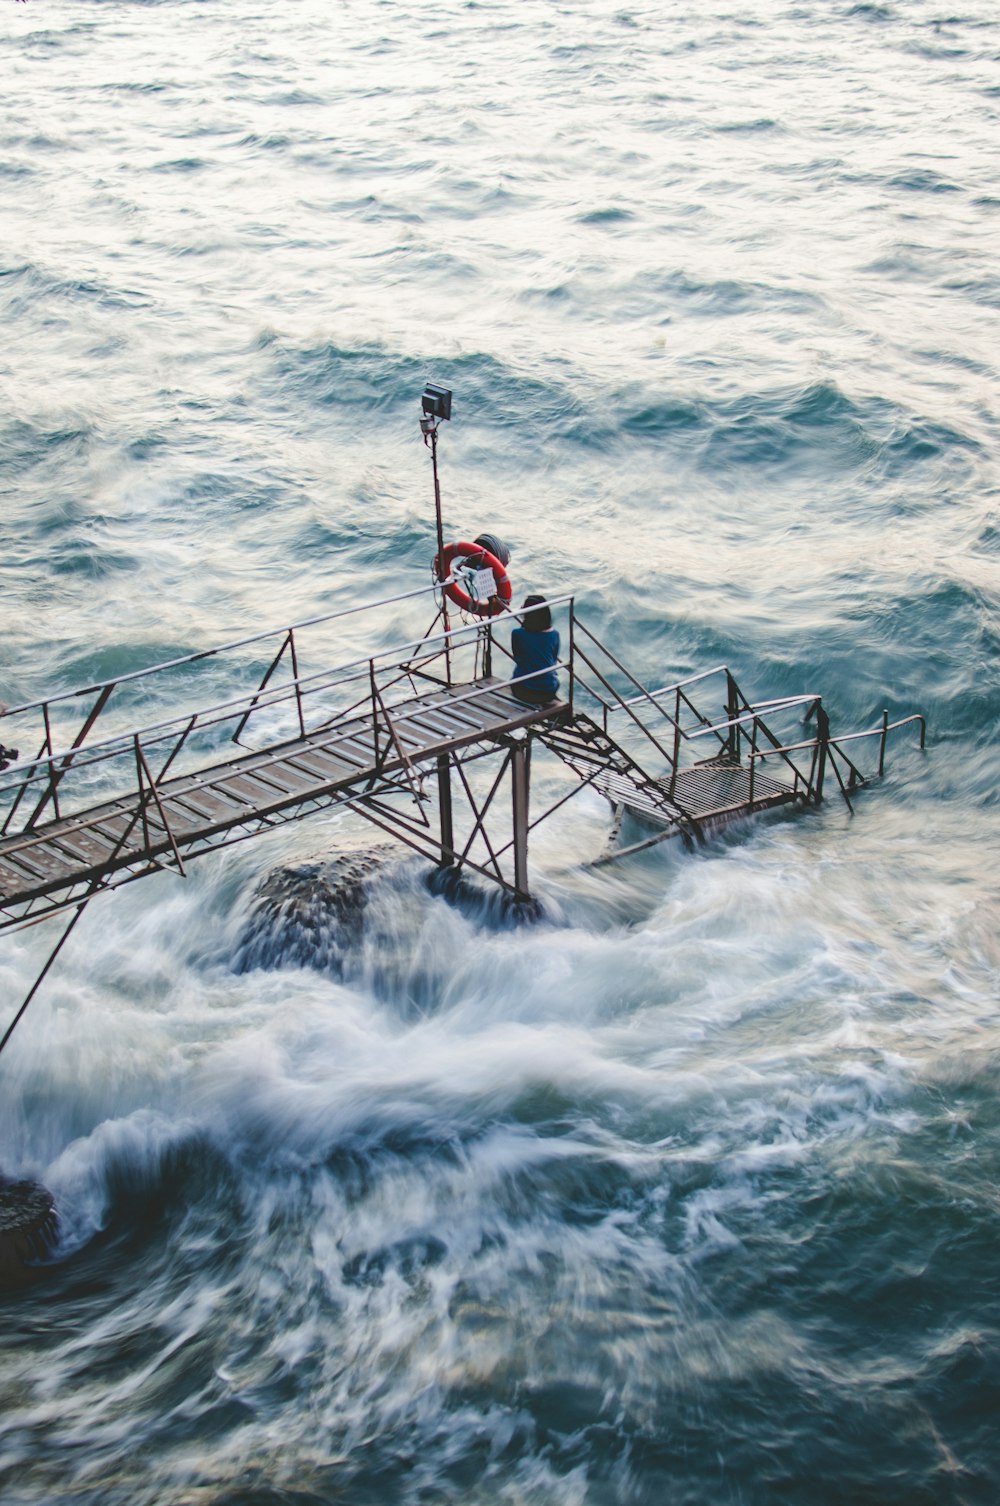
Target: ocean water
{"points": [[689, 1191]]}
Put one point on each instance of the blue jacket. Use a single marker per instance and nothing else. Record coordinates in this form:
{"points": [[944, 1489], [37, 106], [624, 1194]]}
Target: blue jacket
{"points": [[536, 651]]}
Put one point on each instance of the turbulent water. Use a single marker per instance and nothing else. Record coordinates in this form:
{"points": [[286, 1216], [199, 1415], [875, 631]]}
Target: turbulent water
{"points": [[688, 1191]]}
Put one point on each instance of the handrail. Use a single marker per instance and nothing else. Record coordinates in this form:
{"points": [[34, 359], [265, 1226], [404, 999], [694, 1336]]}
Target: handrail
{"points": [[779, 703], [52, 765], [706, 674], [209, 653], [641, 725], [324, 701], [137, 750], [743, 716], [748, 716], [623, 704], [904, 721], [339, 674], [782, 702], [46, 771], [33, 838], [850, 737], [679, 691]]}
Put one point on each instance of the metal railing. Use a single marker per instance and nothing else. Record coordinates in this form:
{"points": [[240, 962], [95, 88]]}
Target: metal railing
{"points": [[59, 750], [681, 722], [132, 764]]}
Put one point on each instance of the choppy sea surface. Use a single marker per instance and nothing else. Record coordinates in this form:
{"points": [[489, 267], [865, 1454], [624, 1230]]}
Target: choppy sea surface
{"points": [[690, 1190]]}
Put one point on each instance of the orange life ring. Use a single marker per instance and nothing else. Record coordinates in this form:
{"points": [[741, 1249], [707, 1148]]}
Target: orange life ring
{"points": [[498, 602]]}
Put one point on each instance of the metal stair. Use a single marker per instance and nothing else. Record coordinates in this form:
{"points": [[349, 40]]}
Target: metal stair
{"points": [[697, 798], [599, 761]]}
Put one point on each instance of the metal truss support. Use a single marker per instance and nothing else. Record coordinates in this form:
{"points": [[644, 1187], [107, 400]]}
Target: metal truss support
{"points": [[520, 782]]}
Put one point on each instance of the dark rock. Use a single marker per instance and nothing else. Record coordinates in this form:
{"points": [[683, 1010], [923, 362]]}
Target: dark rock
{"points": [[310, 915], [28, 1228]]}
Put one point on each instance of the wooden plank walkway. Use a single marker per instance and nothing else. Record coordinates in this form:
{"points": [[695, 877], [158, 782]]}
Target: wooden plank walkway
{"points": [[192, 811]]}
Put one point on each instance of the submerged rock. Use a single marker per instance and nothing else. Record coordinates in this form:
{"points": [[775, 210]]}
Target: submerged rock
{"points": [[28, 1228], [310, 915], [487, 903]]}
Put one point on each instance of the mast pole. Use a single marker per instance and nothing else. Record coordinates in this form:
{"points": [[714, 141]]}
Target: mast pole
{"points": [[439, 521], [436, 405]]}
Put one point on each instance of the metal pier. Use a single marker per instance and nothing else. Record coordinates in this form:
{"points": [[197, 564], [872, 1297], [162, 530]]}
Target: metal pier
{"points": [[171, 820], [423, 739]]}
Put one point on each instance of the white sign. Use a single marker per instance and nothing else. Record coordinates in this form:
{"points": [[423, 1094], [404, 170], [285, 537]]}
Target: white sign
{"points": [[482, 585]]}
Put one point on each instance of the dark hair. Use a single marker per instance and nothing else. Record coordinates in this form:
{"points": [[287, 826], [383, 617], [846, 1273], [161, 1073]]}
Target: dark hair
{"points": [[540, 620]]}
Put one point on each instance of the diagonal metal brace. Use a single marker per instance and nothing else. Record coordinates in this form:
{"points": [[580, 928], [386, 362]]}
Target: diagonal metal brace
{"points": [[144, 768]]}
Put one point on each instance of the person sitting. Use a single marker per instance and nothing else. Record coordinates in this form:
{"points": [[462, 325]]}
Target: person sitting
{"points": [[535, 646]]}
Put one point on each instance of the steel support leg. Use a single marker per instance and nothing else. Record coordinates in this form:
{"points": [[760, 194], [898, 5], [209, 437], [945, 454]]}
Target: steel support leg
{"points": [[445, 812], [520, 776], [823, 734]]}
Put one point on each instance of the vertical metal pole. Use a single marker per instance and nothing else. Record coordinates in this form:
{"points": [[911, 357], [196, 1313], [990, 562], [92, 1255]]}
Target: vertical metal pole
{"points": [[677, 743], [732, 712], [572, 654], [141, 784], [445, 811], [295, 677], [753, 760], [520, 777], [885, 734], [439, 522], [437, 494], [53, 782], [371, 680], [823, 735]]}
